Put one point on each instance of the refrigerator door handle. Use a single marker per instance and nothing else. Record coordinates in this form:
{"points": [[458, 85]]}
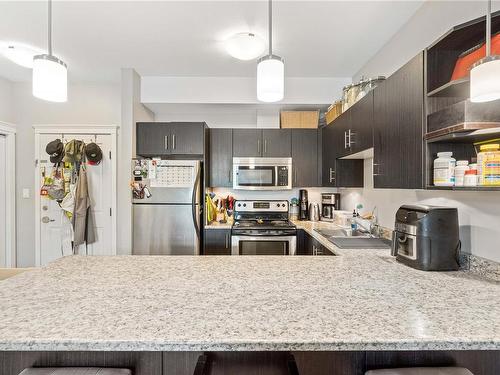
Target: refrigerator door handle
{"points": [[193, 203]]}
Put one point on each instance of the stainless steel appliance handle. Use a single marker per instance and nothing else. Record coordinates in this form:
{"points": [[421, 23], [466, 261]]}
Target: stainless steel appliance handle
{"points": [[166, 142], [173, 141], [265, 146], [193, 203]]}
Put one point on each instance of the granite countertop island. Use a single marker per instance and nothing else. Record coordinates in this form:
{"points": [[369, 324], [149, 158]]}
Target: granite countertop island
{"points": [[216, 303]]}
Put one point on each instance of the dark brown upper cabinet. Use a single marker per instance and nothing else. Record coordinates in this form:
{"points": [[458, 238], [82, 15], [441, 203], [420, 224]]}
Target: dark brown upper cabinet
{"points": [[336, 172], [399, 127], [305, 157], [359, 135], [220, 158], [170, 138], [262, 143], [277, 143]]}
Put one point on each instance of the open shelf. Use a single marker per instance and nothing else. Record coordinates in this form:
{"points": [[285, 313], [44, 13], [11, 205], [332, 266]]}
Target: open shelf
{"points": [[464, 188], [458, 88], [465, 133]]}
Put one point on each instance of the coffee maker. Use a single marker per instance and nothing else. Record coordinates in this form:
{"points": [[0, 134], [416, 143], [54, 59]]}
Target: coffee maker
{"points": [[329, 203], [303, 205], [427, 237]]}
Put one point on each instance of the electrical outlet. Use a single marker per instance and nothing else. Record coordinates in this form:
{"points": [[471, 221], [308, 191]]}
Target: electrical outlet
{"points": [[26, 193]]}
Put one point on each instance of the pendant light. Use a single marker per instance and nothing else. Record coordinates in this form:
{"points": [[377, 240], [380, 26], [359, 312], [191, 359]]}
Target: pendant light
{"points": [[270, 71], [50, 75], [485, 74]]}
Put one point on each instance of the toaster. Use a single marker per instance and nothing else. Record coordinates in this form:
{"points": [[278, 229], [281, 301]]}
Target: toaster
{"points": [[427, 237]]}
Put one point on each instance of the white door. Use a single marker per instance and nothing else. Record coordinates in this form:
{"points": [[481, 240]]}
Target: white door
{"points": [[3, 206], [53, 224]]}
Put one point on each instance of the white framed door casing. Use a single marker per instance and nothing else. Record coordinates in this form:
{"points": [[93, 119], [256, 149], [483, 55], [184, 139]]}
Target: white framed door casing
{"points": [[102, 191], [8, 195]]}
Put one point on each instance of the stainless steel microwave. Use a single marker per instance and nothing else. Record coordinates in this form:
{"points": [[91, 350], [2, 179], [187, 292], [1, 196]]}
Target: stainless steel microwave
{"points": [[262, 173]]}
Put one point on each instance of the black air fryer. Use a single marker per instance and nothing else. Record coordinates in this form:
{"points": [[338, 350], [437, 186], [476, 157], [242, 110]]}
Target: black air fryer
{"points": [[427, 237]]}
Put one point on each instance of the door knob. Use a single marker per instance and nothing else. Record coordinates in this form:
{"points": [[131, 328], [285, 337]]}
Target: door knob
{"points": [[47, 219]]}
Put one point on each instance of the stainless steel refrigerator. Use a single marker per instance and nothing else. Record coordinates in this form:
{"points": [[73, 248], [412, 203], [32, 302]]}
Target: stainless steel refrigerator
{"points": [[166, 214]]}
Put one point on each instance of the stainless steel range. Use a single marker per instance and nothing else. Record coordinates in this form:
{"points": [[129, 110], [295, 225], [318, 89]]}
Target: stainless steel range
{"points": [[262, 228]]}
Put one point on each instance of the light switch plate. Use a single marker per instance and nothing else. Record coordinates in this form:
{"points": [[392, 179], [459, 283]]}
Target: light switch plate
{"points": [[26, 193]]}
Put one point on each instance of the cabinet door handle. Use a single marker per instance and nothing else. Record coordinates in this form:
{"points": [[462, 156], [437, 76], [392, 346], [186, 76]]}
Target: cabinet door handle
{"points": [[378, 169], [226, 239], [265, 146], [332, 175], [166, 142], [345, 139], [258, 146], [230, 175], [349, 138], [173, 141], [295, 176]]}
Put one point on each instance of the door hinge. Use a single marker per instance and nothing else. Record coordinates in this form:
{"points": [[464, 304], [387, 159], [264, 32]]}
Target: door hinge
{"points": [[110, 211], [36, 163], [110, 155]]}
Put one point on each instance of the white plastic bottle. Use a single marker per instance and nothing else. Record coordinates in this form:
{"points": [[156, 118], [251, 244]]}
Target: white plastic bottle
{"points": [[462, 166], [444, 169]]}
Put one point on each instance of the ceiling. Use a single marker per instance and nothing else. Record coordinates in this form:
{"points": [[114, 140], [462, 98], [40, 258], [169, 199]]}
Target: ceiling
{"points": [[185, 38]]}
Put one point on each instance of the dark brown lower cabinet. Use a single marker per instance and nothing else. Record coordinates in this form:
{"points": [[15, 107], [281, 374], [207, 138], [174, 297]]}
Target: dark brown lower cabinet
{"points": [[307, 245], [479, 362], [217, 242]]}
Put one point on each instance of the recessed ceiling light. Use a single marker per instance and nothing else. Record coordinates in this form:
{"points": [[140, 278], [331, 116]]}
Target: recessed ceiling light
{"points": [[245, 46], [18, 53]]}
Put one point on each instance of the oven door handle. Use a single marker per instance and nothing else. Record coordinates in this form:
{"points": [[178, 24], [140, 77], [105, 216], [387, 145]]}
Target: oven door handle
{"points": [[263, 235]]}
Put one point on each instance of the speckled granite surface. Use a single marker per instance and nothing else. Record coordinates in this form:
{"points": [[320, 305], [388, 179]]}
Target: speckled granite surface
{"points": [[246, 303]]}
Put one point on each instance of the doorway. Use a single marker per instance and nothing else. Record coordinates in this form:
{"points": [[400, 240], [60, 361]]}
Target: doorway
{"points": [[53, 227]]}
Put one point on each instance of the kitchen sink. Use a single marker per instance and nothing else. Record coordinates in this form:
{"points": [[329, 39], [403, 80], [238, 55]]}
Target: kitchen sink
{"points": [[347, 239], [341, 233]]}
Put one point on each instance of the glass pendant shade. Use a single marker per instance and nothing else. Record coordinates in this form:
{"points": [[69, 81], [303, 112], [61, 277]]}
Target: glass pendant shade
{"points": [[270, 79], [50, 78], [485, 80]]}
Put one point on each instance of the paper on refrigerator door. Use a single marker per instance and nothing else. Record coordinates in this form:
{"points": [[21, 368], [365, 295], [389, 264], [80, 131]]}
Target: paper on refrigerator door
{"points": [[174, 176], [152, 169]]}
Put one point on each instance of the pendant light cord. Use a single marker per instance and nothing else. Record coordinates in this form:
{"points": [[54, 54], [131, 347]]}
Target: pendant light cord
{"points": [[270, 27], [49, 26], [488, 30]]}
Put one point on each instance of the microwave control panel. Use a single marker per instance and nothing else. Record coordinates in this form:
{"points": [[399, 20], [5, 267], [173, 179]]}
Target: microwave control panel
{"points": [[282, 179]]}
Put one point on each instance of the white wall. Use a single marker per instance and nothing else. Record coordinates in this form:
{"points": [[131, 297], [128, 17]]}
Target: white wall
{"points": [[237, 90], [433, 19], [6, 111], [132, 111], [87, 104]]}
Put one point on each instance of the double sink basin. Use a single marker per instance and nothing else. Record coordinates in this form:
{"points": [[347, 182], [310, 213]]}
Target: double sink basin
{"points": [[347, 239]]}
